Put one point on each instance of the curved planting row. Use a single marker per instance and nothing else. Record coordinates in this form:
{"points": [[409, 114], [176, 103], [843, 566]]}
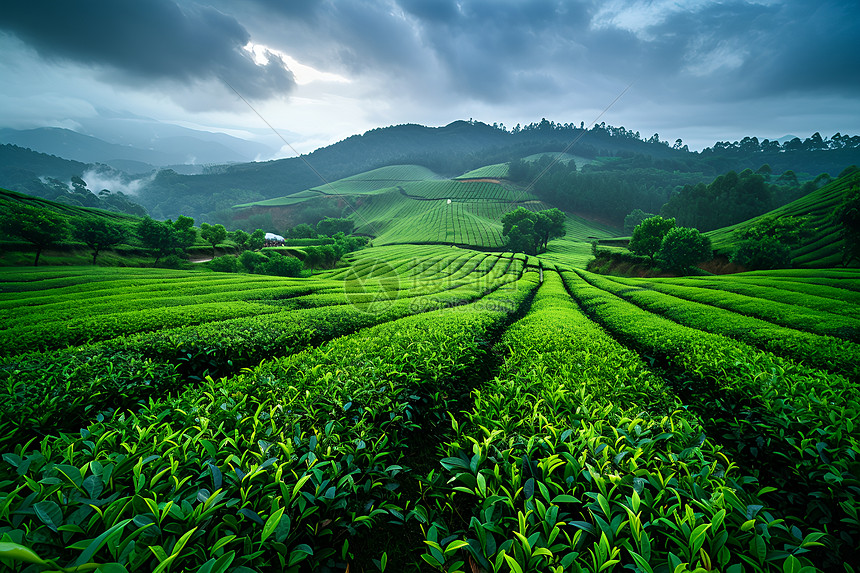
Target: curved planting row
{"points": [[837, 321], [292, 466], [821, 351], [793, 425], [577, 458]]}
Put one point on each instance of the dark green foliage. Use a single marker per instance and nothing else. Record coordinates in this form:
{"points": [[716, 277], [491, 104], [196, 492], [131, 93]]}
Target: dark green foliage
{"points": [[225, 264], [648, 236], [302, 231], [848, 216], [251, 260], [633, 219], [762, 254], [281, 266], [529, 231], [97, 234], [256, 240], [683, 247], [240, 237], [167, 237], [213, 234], [39, 227], [728, 199], [331, 227]]}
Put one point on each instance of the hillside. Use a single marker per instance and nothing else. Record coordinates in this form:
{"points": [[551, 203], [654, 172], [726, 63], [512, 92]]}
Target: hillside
{"points": [[822, 249]]}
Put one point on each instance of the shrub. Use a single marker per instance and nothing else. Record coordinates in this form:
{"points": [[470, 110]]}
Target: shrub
{"points": [[762, 254], [225, 264], [648, 236], [281, 266], [251, 260], [683, 247]]}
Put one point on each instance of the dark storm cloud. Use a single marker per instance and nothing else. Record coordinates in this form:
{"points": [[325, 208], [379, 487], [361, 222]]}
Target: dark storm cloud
{"points": [[146, 40], [502, 50]]}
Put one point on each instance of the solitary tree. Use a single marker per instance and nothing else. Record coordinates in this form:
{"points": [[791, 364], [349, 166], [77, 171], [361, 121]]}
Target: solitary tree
{"points": [[97, 233], [39, 227], [213, 234], [683, 247], [528, 231], [648, 236]]}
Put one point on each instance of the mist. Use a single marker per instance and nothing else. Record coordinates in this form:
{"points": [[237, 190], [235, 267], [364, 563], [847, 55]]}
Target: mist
{"points": [[101, 178]]}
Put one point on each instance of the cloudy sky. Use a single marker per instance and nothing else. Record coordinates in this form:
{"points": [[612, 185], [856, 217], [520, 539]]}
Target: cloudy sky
{"points": [[321, 70]]}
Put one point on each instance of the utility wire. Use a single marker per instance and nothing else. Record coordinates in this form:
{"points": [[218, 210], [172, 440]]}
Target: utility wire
{"points": [[302, 157]]}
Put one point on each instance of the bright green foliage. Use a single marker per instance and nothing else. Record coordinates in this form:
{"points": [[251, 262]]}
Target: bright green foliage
{"points": [[97, 234], [281, 266], [39, 227], [565, 457], [792, 422], [251, 260], [824, 342], [224, 264], [213, 234], [648, 236], [399, 393], [683, 247]]}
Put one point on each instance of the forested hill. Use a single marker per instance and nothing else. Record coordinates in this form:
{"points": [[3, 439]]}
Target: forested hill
{"points": [[459, 147], [449, 151]]}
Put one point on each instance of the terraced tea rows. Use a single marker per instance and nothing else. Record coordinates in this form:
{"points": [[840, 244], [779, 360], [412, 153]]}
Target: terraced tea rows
{"points": [[428, 407]]}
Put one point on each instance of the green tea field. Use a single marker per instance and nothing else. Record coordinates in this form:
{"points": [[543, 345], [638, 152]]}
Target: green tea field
{"points": [[430, 408]]}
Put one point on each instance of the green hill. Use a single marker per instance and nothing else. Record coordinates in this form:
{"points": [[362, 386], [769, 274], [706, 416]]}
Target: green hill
{"points": [[410, 204], [822, 249]]}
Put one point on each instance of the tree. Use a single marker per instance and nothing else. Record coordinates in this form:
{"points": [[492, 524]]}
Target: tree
{"points": [[648, 236], [762, 254], [848, 215], [635, 217], [302, 231], [39, 227], [251, 260], [256, 240], [213, 234], [97, 233], [185, 234], [281, 266], [157, 236], [683, 247], [331, 227], [549, 224], [166, 237], [527, 231], [240, 237]]}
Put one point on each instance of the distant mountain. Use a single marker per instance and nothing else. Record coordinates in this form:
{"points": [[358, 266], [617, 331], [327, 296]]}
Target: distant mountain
{"points": [[141, 150]]}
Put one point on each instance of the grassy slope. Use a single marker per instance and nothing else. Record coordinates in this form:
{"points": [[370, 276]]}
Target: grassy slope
{"points": [[820, 250], [403, 204]]}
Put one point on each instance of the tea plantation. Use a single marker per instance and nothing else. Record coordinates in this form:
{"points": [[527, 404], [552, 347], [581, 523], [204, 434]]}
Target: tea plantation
{"points": [[429, 408]]}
